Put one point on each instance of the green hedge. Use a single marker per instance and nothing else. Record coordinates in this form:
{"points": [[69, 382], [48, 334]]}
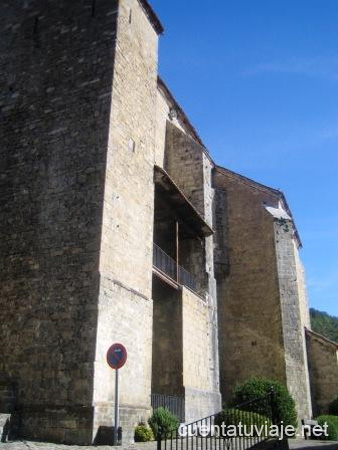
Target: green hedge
{"points": [[333, 407], [284, 405], [235, 416], [332, 422], [143, 434], [164, 419]]}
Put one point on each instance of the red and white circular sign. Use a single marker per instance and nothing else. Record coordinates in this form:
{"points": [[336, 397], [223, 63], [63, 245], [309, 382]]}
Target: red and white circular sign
{"points": [[117, 356]]}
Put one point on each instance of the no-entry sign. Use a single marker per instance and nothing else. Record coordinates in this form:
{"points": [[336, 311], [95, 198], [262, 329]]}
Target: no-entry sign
{"points": [[116, 356]]}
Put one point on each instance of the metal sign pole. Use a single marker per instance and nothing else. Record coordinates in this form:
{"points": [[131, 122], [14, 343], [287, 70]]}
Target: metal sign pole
{"points": [[116, 425], [116, 358]]}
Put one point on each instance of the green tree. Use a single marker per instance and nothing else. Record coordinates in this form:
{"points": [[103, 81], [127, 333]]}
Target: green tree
{"points": [[324, 324], [253, 395], [164, 420]]}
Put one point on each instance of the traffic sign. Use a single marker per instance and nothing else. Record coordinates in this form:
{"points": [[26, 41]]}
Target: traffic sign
{"points": [[116, 356]]}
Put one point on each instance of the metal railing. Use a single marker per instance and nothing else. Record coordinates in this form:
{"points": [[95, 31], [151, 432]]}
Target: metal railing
{"points": [[226, 431], [9, 407], [175, 405], [185, 278], [164, 262], [168, 265]]}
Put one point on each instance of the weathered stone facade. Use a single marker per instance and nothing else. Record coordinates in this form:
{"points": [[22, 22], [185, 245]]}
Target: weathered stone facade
{"points": [[323, 359], [57, 64], [125, 297], [116, 226], [258, 289]]}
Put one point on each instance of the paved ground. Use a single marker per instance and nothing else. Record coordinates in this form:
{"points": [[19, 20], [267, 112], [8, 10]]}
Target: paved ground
{"points": [[295, 444], [301, 444], [27, 445]]}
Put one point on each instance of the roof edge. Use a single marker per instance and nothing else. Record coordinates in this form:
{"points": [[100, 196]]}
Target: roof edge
{"points": [[262, 187], [152, 16], [166, 174], [321, 337], [162, 85], [253, 183]]}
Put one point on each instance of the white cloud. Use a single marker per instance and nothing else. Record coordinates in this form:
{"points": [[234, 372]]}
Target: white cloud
{"points": [[316, 67]]}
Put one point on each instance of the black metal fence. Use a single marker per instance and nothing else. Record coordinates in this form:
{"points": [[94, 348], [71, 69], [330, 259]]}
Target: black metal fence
{"points": [[175, 405], [9, 408], [239, 428], [164, 262], [185, 278], [168, 265]]}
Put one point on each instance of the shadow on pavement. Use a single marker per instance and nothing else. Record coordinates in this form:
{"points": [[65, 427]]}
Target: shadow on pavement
{"points": [[317, 446]]}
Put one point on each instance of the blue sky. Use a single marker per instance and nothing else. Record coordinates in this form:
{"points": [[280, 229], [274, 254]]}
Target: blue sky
{"points": [[259, 80]]}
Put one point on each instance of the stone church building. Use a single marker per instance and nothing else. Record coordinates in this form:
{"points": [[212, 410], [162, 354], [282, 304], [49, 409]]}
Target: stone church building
{"points": [[116, 225]]}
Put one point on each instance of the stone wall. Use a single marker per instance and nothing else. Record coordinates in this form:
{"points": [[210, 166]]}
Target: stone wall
{"points": [[323, 366], [167, 351], [304, 316], [292, 321], [57, 63], [250, 332], [183, 350], [84, 119], [163, 107], [168, 110], [184, 159], [197, 351], [125, 304], [200, 367], [129, 189], [189, 164], [302, 288], [260, 325]]}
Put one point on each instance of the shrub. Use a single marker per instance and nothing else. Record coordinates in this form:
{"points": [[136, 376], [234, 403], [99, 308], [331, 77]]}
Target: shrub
{"points": [[235, 416], [333, 407], [162, 418], [284, 407], [332, 429], [143, 434]]}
